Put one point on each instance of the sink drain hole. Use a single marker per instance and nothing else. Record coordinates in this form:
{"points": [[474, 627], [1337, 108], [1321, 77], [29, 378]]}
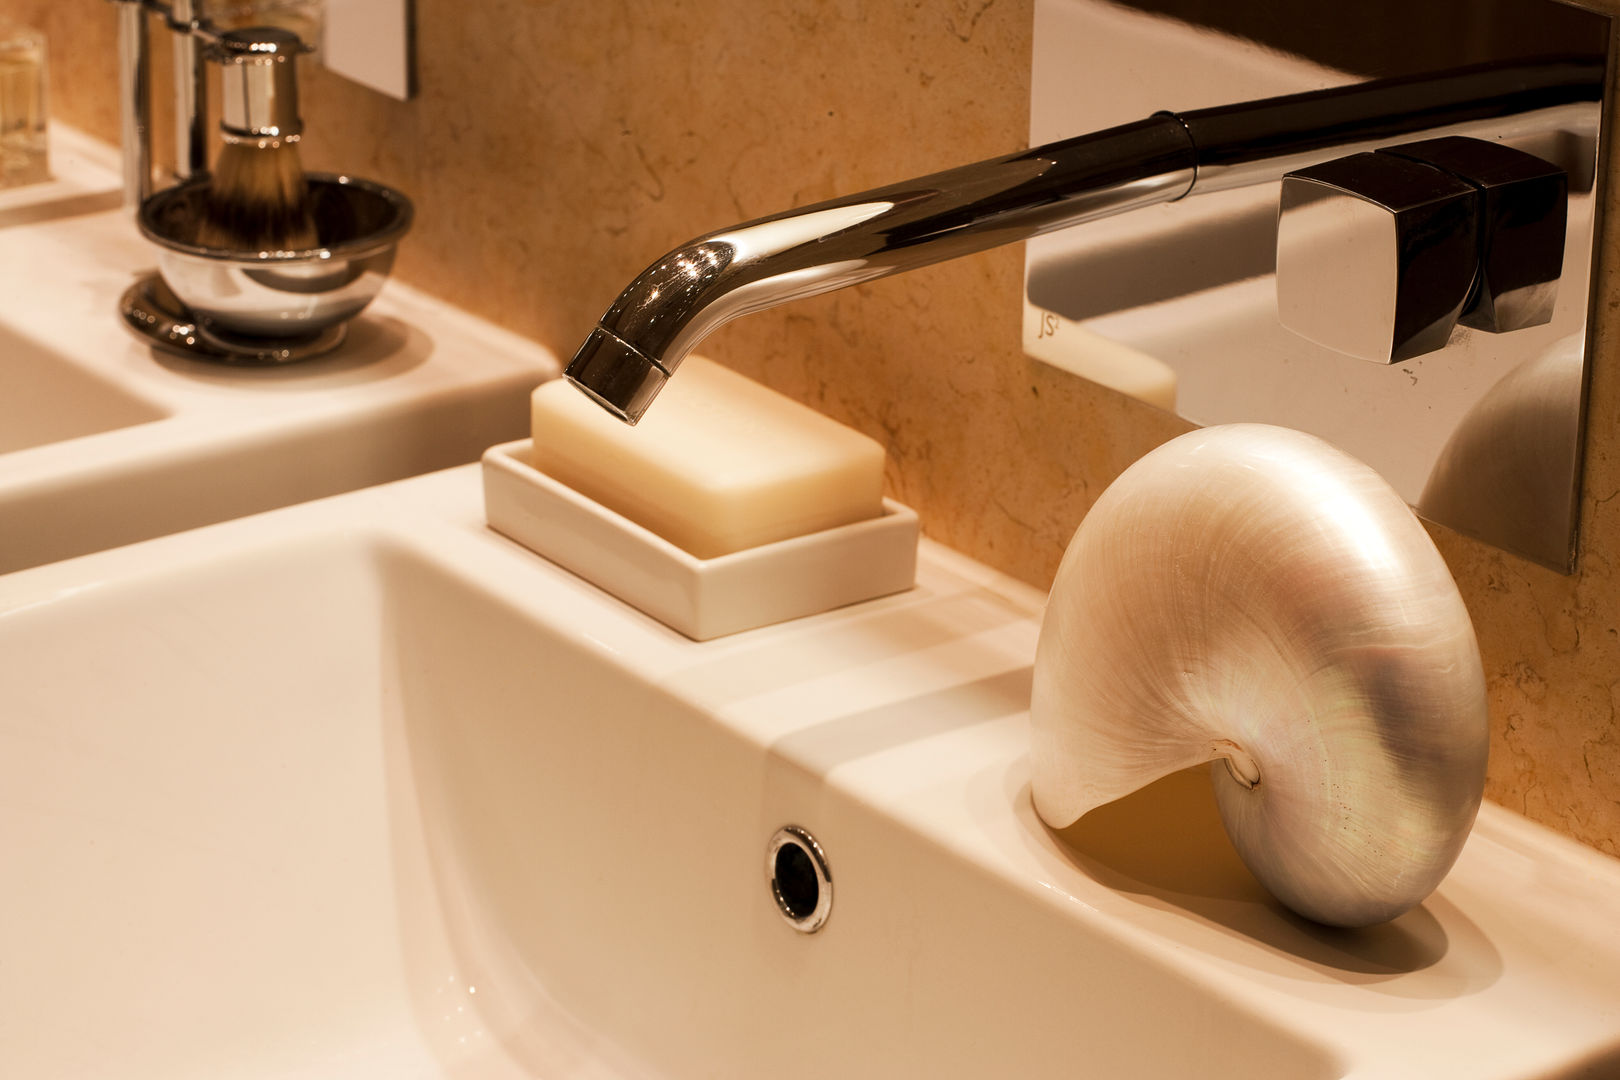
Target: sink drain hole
{"points": [[800, 881]]}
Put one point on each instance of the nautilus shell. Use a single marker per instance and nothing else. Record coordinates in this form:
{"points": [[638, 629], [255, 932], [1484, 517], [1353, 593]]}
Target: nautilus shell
{"points": [[1249, 596]]}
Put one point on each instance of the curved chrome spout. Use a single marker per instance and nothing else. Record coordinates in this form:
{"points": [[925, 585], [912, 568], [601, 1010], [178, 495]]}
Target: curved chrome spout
{"points": [[694, 289]]}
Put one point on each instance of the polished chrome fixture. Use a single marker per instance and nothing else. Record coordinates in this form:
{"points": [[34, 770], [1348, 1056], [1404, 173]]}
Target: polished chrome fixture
{"points": [[1225, 311], [692, 290], [190, 92], [265, 307], [258, 83], [1422, 236], [800, 882], [1234, 156], [219, 304], [135, 100]]}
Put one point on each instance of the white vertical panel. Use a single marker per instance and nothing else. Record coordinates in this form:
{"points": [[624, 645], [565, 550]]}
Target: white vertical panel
{"points": [[369, 41]]}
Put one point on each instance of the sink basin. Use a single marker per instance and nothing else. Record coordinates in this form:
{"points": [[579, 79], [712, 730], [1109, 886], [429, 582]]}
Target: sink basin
{"points": [[45, 397], [359, 788], [104, 441]]}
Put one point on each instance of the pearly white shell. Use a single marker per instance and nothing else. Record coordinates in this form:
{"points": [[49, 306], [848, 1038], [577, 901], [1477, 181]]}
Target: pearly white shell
{"points": [[1250, 593]]}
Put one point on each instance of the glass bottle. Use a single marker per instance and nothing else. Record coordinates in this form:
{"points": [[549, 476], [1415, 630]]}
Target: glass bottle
{"points": [[23, 107]]}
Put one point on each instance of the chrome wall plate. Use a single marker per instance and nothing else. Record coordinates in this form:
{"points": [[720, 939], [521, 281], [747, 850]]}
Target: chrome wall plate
{"points": [[1176, 303]]}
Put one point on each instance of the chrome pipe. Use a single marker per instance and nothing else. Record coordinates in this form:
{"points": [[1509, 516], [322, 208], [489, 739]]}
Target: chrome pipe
{"points": [[1260, 141], [190, 98], [694, 289], [135, 101]]}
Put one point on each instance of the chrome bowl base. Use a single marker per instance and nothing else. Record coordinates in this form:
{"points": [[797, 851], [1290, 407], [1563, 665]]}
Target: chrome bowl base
{"points": [[150, 308]]}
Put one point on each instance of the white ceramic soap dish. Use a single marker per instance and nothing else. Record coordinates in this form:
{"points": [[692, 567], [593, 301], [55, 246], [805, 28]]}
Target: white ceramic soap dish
{"points": [[701, 598]]}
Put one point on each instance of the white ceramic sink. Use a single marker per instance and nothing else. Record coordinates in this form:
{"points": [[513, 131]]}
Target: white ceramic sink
{"points": [[104, 441], [358, 788], [48, 398]]}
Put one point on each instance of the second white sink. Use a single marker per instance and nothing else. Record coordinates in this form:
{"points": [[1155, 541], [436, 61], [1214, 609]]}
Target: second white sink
{"points": [[45, 397], [104, 441]]}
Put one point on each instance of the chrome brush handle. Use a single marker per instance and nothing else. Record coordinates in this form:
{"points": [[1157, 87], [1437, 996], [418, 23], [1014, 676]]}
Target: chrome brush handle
{"points": [[261, 58], [258, 83]]}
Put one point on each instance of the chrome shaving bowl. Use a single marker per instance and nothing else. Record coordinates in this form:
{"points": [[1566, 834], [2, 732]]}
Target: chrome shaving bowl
{"points": [[281, 294]]}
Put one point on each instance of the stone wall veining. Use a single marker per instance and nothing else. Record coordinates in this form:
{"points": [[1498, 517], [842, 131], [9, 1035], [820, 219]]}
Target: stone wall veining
{"points": [[557, 146]]}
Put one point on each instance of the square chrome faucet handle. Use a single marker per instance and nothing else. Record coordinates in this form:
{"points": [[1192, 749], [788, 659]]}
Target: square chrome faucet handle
{"points": [[1376, 255], [1524, 204], [1380, 255]]}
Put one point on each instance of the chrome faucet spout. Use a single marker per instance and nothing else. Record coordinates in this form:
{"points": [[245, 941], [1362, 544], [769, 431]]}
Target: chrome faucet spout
{"points": [[694, 289], [691, 291]]}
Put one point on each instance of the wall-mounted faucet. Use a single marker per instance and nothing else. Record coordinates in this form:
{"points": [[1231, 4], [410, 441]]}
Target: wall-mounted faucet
{"points": [[691, 291]]}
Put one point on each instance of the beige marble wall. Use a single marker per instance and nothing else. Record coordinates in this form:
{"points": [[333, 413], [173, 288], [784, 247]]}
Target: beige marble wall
{"points": [[559, 145]]}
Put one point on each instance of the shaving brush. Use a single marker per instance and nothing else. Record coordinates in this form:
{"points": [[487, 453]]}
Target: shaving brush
{"points": [[258, 198]]}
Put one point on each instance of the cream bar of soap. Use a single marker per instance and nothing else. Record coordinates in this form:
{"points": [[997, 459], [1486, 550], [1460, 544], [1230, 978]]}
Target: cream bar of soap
{"points": [[718, 464]]}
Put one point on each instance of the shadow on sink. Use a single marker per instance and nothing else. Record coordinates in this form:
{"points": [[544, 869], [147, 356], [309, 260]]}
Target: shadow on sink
{"points": [[1165, 846]]}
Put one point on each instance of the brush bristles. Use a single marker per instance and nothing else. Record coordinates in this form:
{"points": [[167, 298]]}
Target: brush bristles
{"points": [[258, 200]]}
